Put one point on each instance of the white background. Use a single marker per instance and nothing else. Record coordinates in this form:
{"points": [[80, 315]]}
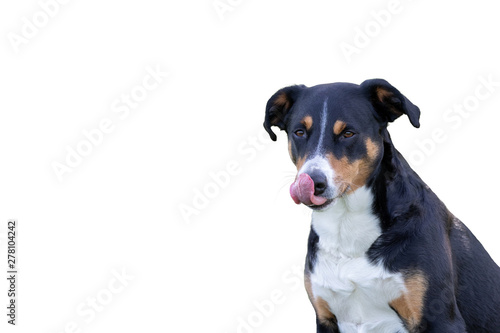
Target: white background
{"points": [[119, 210]]}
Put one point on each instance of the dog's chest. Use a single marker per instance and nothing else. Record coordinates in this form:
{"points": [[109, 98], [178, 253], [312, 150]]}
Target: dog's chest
{"points": [[357, 291]]}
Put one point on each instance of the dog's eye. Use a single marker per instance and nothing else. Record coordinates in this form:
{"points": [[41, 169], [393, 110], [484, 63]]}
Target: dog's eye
{"points": [[348, 134], [299, 133]]}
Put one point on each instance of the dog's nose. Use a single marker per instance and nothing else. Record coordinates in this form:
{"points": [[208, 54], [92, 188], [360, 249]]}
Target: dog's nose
{"points": [[320, 181]]}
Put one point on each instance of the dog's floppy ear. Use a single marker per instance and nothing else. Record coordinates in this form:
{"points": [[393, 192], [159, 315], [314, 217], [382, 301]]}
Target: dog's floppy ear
{"points": [[278, 107], [389, 102]]}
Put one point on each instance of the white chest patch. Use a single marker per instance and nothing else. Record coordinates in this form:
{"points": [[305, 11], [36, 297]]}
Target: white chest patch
{"points": [[357, 291]]}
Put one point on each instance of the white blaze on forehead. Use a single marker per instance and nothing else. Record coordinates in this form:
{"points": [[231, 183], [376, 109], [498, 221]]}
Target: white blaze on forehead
{"points": [[323, 116], [318, 160]]}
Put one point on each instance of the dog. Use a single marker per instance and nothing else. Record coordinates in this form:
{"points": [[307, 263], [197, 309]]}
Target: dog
{"points": [[384, 253]]}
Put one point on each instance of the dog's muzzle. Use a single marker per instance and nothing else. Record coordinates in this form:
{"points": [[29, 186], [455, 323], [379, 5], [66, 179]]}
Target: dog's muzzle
{"points": [[304, 190]]}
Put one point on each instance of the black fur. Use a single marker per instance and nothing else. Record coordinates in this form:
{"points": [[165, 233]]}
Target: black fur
{"points": [[418, 231]]}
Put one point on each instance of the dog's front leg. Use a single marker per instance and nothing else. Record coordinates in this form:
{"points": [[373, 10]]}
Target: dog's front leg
{"points": [[326, 327]]}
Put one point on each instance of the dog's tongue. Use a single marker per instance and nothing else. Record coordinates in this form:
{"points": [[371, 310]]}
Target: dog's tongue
{"points": [[302, 191]]}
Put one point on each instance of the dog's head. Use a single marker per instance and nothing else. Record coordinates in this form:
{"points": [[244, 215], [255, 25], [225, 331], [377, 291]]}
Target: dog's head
{"points": [[335, 134]]}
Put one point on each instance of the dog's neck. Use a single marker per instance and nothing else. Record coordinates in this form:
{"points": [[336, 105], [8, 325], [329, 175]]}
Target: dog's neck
{"points": [[396, 187], [348, 226]]}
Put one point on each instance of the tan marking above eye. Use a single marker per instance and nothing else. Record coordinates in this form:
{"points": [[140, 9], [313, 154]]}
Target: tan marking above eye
{"points": [[338, 127], [307, 121]]}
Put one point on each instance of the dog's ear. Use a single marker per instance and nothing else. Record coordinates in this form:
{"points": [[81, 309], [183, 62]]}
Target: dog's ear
{"points": [[389, 102], [278, 107]]}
